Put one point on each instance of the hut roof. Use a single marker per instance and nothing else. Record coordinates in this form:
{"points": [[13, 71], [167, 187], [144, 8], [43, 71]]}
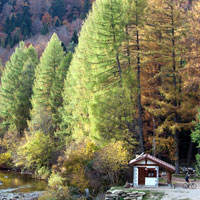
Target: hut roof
{"points": [[159, 162]]}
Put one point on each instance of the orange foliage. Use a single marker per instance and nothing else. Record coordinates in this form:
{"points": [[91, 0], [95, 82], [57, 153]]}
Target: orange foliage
{"points": [[47, 19], [191, 72], [67, 24]]}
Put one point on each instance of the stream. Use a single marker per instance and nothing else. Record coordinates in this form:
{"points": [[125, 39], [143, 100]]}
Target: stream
{"points": [[17, 186]]}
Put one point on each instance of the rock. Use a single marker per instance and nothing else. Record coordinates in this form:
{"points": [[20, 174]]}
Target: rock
{"points": [[127, 185], [126, 195], [141, 194], [21, 196]]}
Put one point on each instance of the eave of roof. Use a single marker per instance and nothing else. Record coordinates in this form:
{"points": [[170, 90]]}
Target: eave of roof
{"points": [[159, 162]]}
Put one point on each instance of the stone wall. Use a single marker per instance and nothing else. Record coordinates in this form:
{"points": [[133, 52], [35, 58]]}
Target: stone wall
{"points": [[124, 194]]}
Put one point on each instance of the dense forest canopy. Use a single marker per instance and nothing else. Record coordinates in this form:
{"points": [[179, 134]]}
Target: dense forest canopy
{"points": [[35, 21], [127, 83]]}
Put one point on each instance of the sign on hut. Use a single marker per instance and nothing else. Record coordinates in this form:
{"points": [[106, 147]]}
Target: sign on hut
{"points": [[146, 169]]}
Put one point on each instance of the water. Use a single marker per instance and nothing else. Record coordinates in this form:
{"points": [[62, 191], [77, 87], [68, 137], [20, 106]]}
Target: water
{"points": [[23, 185]]}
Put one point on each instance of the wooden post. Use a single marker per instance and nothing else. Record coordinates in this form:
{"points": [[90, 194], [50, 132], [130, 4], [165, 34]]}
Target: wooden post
{"points": [[169, 177]]}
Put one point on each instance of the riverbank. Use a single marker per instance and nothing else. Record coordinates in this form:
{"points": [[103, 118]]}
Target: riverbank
{"points": [[20, 196], [17, 186]]}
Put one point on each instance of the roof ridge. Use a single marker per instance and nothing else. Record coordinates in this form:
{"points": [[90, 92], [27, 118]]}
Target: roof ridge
{"points": [[153, 158]]}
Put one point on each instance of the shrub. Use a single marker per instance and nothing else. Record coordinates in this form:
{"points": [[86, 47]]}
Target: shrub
{"points": [[198, 164], [42, 173], [38, 151], [111, 159], [55, 181], [5, 160], [61, 194], [78, 156]]}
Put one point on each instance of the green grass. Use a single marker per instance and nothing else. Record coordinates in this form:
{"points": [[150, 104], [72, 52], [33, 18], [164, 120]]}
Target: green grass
{"points": [[153, 195], [183, 176], [179, 175], [185, 199], [162, 180]]}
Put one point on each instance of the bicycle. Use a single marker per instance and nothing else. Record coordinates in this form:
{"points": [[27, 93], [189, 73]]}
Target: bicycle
{"points": [[189, 185]]}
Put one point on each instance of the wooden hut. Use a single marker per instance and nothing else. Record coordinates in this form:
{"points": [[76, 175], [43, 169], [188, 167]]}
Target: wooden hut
{"points": [[146, 169]]}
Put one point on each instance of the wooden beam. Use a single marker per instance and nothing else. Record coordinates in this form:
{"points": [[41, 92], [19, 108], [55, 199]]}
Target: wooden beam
{"points": [[169, 177]]}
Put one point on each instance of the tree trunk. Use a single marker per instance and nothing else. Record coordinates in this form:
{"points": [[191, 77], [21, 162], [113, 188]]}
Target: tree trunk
{"points": [[154, 137], [189, 158], [175, 103], [177, 160], [140, 124]]}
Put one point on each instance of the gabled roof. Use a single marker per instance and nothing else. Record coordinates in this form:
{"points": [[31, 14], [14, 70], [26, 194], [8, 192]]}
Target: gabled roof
{"points": [[159, 162]]}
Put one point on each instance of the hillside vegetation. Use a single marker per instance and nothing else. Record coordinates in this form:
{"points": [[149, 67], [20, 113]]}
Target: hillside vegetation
{"points": [[33, 21]]}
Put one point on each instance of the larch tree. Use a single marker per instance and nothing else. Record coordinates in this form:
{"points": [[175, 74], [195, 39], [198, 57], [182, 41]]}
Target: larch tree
{"points": [[191, 71], [99, 73], [167, 25], [135, 50], [56, 99], [43, 93], [16, 88]]}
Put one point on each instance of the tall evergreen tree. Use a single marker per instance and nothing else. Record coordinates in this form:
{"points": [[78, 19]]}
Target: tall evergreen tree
{"points": [[98, 68], [58, 8], [56, 99], [26, 23], [167, 29], [135, 50], [2, 3], [16, 88], [191, 71], [45, 76]]}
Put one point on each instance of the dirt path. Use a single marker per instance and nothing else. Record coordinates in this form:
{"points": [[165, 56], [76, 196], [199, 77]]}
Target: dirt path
{"points": [[178, 193], [181, 194]]}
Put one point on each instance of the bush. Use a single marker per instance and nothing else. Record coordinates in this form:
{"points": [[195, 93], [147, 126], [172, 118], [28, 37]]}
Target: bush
{"points": [[78, 157], [110, 160], [198, 164], [42, 173], [61, 194], [55, 181], [37, 152], [5, 160]]}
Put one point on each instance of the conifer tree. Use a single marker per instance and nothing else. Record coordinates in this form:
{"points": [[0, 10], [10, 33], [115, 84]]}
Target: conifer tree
{"points": [[26, 23], [167, 29], [56, 99], [16, 88], [98, 74], [191, 70], [135, 50], [58, 8], [45, 76]]}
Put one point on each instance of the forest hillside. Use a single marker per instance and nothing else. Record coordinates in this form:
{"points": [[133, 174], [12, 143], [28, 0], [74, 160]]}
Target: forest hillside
{"points": [[35, 20]]}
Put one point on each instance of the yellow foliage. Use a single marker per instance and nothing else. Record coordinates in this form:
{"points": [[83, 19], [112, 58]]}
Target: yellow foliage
{"points": [[36, 152], [55, 181], [77, 157], [61, 194], [5, 159], [111, 159]]}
